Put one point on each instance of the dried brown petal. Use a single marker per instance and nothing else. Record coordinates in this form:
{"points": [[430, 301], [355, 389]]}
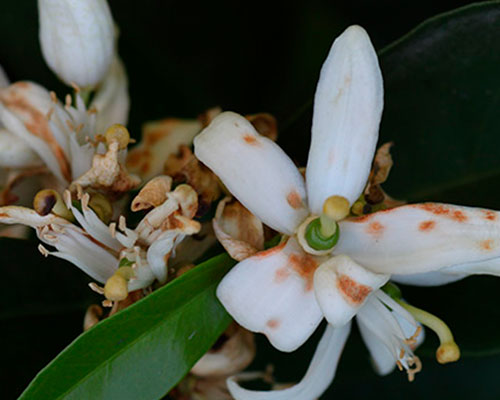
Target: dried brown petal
{"points": [[265, 124], [234, 351], [92, 316], [153, 193], [159, 140], [185, 167], [238, 230]]}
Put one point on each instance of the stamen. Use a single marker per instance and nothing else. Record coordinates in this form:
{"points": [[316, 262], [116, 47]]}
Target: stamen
{"points": [[448, 351], [68, 100], [122, 224], [53, 97], [116, 287], [118, 133], [415, 361], [49, 201], [96, 288], [112, 229], [107, 303], [43, 250]]}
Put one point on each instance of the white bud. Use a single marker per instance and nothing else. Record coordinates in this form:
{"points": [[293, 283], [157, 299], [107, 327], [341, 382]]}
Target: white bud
{"points": [[77, 39]]}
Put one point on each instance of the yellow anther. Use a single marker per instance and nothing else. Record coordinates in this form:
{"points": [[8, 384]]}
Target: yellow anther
{"points": [[336, 207], [125, 272], [101, 206], [116, 288], [49, 201], [357, 208], [118, 133]]}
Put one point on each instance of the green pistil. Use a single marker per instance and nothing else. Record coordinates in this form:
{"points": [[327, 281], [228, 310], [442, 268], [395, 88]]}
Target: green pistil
{"points": [[317, 240]]}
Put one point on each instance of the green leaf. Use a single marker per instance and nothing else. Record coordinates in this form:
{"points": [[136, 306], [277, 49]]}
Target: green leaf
{"points": [[143, 351], [441, 107]]}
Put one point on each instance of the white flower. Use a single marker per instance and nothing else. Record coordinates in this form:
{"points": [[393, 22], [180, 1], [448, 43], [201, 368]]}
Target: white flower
{"points": [[99, 250], [77, 39], [63, 136], [286, 291]]}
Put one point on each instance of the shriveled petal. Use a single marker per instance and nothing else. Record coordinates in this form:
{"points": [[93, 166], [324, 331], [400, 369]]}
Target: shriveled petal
{"points": [[159, 140], [255, 170], [15, 153], [342, 287], [23, 110], [421, 238], [238, 230], [318, 377], [347, 109], [112, 100], [272, 293]]}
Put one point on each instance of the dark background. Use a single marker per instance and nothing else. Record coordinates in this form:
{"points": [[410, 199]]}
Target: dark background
{"points": [[182, 58]]}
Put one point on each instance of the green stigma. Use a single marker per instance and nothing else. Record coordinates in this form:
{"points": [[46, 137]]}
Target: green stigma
{"points": [[317, 240]]}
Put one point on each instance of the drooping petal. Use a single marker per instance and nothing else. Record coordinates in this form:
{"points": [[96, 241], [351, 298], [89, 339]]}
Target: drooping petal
{"points": [[318, 377], [255, 170], [342, 286], [27, 216], [421, 238], [390, 333], [112, 100], [272, 293], [347, 110]]}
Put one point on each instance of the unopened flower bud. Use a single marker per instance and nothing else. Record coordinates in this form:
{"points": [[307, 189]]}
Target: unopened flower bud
{"points": [[77, 39]]}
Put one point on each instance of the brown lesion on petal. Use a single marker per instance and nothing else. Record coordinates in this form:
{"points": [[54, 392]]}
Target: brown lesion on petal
{"points": [[354, 292], [273, 323], [281, 275], [305, 266], [185, 167], [427, 226], [489, 215], [294, 200], [443, 210], [237, 229], [487, 244], [15, 99], [250, 139], [375, 229]]}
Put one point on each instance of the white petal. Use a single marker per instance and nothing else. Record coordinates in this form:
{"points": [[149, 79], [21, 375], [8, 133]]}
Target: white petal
{"points": [[23, 110], [255, 170], [112, 100], [318, 377], [383, 360], [15, 153], [272, 293], [433, 278], [77, 39], [347, 109], [342, 286], [157, 252], [421, 238]]}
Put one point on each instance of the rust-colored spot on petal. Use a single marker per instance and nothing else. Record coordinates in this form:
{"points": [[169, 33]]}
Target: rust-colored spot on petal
{"points": [[304, 265], [273, 323], [281, 275], [293, 198], [486, 244], [250, 139], [443, 210], [271, 251], [375, 229], [353, 292], [489, 215], [427, 226]]}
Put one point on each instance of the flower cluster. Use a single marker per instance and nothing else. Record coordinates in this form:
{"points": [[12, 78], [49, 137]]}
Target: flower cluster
{"points": [[341, 241]]}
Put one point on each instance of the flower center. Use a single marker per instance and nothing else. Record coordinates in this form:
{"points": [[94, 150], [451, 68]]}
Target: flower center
{"points": [[319, 235]]}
